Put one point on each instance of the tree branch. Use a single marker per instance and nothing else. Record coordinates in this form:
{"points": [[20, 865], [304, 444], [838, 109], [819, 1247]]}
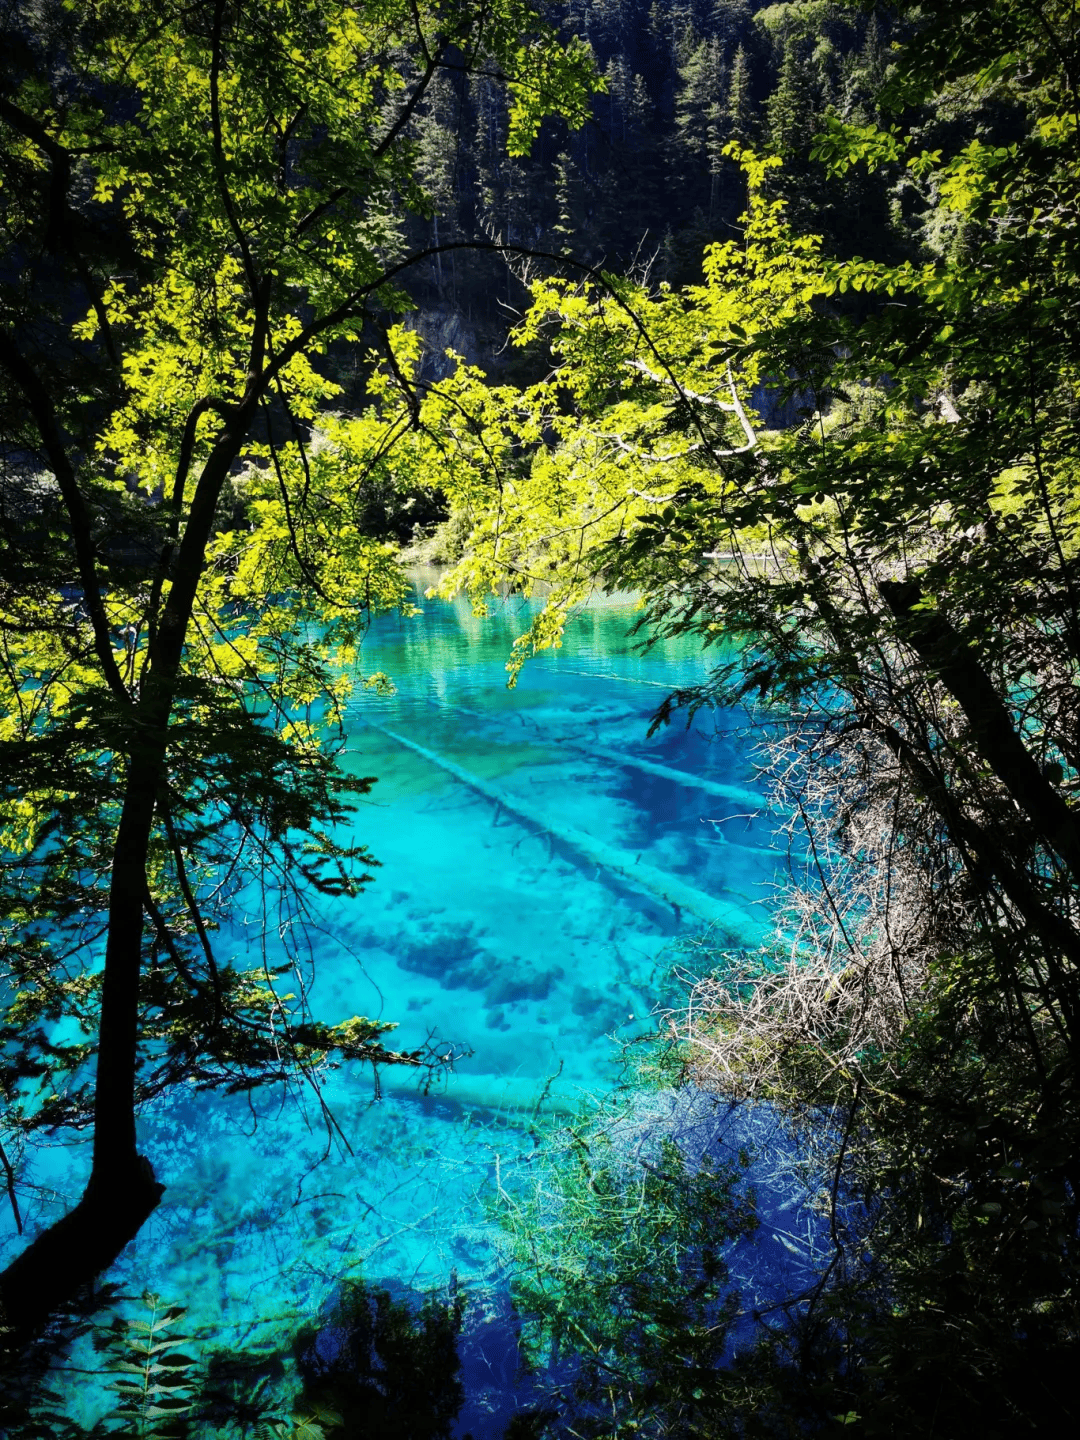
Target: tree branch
{"points": [[414, 100], [9, 1175], [48, 427], [948, 657], [193, 909], [219, 152], [60, 175]]}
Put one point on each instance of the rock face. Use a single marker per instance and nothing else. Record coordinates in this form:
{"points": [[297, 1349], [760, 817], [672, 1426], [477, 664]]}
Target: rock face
{"points": [[484, 342], [444, 327]]}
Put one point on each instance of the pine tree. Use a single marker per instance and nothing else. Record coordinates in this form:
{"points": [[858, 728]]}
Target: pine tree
{"points": [[437, 163], [697, 86], [486, 155], [567, 201], [728, 21], [739, 110], [699, 130], [789, 112], [716, 135], [618, 80], [639, 111]]}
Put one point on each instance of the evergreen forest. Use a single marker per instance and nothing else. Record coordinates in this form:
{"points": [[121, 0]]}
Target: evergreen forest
{"points": [[767, 315]]}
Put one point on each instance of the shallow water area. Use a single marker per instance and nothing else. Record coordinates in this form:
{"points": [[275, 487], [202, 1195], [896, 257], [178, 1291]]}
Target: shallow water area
{"points": [[539, 855]]}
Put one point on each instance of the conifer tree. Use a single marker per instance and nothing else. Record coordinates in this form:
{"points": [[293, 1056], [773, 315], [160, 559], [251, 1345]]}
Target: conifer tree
{"points": [[739, 106], [572, 227], [617, 104], [789, 111], [697, 89], [438, 163]]}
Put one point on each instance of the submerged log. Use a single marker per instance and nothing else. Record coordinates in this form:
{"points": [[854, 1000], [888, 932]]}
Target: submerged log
{"points": [[517, 1098], [681, 777], [620, 864]]}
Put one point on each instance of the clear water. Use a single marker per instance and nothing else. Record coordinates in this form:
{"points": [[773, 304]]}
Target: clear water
{"points": [[539, 857]]}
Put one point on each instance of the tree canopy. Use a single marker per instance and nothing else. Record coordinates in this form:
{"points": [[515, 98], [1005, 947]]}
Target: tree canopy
{"points": [[197, 204]]}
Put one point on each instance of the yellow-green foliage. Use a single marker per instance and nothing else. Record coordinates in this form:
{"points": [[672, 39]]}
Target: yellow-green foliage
{"points": [[196, 574]]}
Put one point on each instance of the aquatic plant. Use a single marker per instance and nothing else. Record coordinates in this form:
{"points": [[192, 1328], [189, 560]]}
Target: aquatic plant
{"points": [[618, 1239]]}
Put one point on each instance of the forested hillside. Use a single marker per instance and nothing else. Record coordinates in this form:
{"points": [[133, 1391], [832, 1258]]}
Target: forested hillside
{"points": [[768, 314], [645, 181]]}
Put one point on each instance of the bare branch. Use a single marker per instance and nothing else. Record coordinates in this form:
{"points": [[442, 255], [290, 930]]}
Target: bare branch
{"points": [[193, 908], [9, 1175]]}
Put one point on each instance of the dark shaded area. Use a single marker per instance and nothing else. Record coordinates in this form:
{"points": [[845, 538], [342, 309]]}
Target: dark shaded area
{"points": [[385, 1365]]}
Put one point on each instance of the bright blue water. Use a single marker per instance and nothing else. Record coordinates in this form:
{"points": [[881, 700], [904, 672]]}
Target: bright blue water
{"points": [[539, 858]]}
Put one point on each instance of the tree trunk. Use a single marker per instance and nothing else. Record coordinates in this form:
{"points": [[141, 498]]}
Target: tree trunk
{"points": [[122, 1192], [946, 656], [86, 1241]]}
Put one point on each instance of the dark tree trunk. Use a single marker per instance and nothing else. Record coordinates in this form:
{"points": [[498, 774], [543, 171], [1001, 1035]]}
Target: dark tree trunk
{"points": [[122, 1191], [950, 659], [86, 1241]]}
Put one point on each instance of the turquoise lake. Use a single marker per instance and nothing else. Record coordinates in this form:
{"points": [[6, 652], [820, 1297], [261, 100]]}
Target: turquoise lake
{"points": [[540, 861]]}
